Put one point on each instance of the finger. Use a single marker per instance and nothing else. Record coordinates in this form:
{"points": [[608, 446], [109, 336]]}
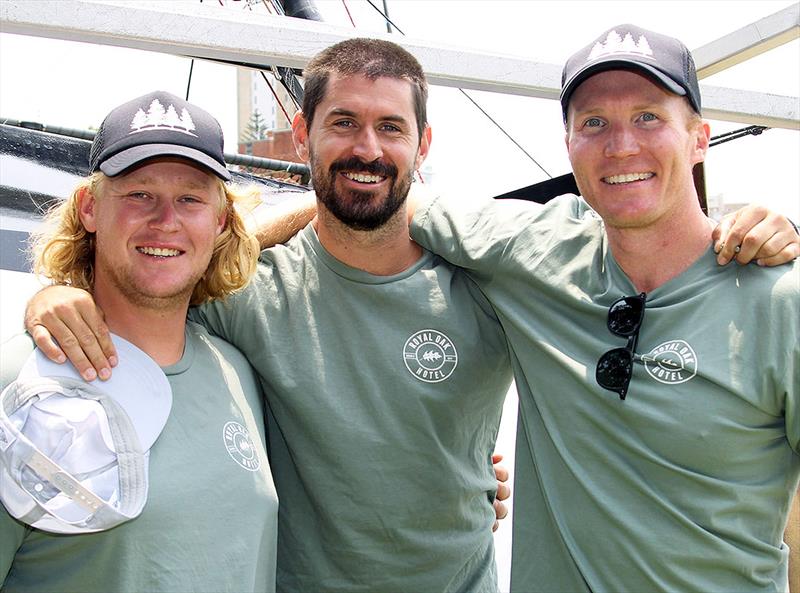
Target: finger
{"points": [[503, 492], [789, 253], [45, 342], [101, 348], [501, 473], [720, 233], [749, 230], [772, 246], [781, 248], [752, 242], [69, 346], [500, 510], [767, 238], [496, 458], [77, 340]]}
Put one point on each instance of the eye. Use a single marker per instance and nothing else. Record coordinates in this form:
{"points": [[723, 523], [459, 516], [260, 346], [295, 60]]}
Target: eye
{"points": [[139, 195], [387, 127], [647, 116], [344, 123], [593, 122]]}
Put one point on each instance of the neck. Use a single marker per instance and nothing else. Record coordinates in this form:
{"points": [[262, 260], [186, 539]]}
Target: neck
{"points": [[159, 332], [653, 255], [384, 251]]}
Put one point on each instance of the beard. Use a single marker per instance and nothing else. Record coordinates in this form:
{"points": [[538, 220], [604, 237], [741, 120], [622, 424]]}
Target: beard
{"points": [[360, 210]]}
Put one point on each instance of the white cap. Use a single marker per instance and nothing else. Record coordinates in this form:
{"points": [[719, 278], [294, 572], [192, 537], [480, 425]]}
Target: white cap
{"points": [[74, 455]]}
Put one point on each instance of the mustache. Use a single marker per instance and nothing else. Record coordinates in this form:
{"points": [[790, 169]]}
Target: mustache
{"points": [[375, 167]]}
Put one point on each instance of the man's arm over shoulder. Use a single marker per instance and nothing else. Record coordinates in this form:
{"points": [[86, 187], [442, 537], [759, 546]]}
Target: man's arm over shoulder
{"points": [[278, 223], [475, 233]]}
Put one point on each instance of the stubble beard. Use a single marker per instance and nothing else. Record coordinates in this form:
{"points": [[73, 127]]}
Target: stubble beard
{"points": [[124, 282]]}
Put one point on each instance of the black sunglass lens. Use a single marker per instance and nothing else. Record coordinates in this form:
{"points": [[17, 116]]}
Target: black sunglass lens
{"points": [[614, 369], [625, 315]]}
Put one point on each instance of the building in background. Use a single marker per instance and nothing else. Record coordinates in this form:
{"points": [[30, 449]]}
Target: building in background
{"points": [[264, 122], [718, 207]]}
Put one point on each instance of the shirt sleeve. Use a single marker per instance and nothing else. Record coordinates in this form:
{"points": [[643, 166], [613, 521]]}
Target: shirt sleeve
{"points": [[482, 235], [220, 317], [13, 354], [12, 534], [793, 397]]}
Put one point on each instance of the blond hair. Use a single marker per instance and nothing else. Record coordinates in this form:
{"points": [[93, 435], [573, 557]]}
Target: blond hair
{"points": [[64, 251]]}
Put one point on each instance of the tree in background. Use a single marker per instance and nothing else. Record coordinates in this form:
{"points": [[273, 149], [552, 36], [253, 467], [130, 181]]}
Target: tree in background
{"points": [[256, 128]]}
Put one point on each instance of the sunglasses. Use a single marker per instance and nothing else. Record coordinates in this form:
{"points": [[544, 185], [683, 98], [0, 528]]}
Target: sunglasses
{"points": [[615, 367]]}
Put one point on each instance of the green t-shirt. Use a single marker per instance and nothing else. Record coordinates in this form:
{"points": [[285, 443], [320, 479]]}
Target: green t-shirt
{"points": [[385, 395], [686, 484], [210, 522]]}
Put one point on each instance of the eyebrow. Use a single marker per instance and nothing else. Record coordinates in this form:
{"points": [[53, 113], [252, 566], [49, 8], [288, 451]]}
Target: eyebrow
{"points": [[147, 179], [338, 111]]}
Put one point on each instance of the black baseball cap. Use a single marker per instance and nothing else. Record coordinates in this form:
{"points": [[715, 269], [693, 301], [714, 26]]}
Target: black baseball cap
{"points": [[157, 124], [627, 47]]}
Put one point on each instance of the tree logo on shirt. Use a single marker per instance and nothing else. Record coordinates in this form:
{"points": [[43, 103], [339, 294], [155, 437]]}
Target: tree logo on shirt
{"points": [[430, 356], [240, 446], [672, 362]]}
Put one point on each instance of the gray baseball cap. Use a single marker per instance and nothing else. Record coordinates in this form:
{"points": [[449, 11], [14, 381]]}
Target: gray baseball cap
{"points": [[664, 59], [154, 125]]}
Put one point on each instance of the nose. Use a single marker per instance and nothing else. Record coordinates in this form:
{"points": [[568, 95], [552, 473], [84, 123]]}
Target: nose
{"points": [[621, 142], [368, 145], [165, 218]]}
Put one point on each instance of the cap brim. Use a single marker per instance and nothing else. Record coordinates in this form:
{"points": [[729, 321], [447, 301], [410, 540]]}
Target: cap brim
{"points": [[616, 63], [126, 159], [138, 384]]}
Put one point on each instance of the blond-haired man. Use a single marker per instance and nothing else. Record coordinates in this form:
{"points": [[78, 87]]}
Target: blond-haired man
{"points": [[151, 230]]}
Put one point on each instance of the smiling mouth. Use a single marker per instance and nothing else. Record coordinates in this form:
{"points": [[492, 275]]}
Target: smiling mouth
{"points": [[363, 177], [627, 178], [159, 251]]}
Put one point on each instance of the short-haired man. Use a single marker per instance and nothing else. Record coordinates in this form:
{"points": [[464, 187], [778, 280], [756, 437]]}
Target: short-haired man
{"points": [[659, 397], [151, 230], [384, 368]]}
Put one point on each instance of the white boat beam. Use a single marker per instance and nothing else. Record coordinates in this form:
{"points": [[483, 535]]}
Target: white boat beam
{"points": [[201, 30], [748, 42]]}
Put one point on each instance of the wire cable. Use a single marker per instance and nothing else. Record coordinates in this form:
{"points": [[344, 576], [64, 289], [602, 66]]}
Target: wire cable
{"points": [[474, 102], [385, 17], [275, 95], [347, 10]]}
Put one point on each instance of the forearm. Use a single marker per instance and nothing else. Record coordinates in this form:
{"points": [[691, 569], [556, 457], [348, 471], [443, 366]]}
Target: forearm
{"points": [[280, 222]]}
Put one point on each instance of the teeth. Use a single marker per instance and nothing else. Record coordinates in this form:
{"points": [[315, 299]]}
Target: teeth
{"points": [[362, 178], [627, 178], [158, 251]]}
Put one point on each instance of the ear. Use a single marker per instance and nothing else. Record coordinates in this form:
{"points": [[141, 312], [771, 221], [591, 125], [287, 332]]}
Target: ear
{"points": [[702, 138], [300, 136], [424, 147], [86, 203], [222, 219]]}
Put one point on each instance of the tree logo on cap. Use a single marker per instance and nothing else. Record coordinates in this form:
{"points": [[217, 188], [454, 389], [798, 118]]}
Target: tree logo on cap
{"points": [[240, 446], [159, 118], [616, 44]]}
